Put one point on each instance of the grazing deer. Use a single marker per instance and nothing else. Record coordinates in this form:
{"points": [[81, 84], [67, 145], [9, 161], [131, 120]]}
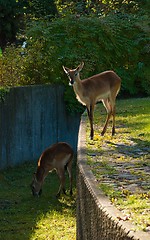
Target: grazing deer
{"points": [[101, 87], [58, 156]]}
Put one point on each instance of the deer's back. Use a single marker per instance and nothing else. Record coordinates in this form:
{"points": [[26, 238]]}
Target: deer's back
{"points": [[55, 156], [101, 84]]}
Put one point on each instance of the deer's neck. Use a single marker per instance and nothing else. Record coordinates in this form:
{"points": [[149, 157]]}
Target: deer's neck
{"points": [[78, 89], [40, 174], [77, 86]]}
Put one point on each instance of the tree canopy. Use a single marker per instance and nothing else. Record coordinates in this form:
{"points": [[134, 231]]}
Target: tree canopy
{"points": [[106, 34], [16, 14]]}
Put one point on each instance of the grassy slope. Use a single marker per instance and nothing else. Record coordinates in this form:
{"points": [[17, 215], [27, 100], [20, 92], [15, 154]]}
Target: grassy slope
{"points": [[24, 217], [121, 163]]}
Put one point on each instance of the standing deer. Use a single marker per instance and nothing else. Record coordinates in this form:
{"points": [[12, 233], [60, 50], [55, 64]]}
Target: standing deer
{"points": [[101, 87], [58, 156]]}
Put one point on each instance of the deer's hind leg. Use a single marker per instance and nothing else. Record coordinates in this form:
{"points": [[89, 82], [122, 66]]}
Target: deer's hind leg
{"points": [[61, 174], [113, 107], [113, 123], [69, 169], [108, 107]]}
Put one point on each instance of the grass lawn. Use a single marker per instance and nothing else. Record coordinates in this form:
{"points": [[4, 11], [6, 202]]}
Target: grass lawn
{"points": [[24, 217], [121, 164]]}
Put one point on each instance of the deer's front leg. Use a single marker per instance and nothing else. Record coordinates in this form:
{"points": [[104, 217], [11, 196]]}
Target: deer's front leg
{"points": [[90, 115]]}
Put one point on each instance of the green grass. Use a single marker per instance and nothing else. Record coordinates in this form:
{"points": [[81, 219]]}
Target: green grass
{"points": [[24, 217], [121, 163]]}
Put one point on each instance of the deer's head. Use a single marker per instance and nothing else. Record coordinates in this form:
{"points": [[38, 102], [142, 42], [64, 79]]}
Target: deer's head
{"points": [[36, 187], [73, 74]]}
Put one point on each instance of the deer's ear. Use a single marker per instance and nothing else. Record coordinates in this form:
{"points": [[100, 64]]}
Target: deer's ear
{"points": [[82, 64], [79, 68], [66, 70]]}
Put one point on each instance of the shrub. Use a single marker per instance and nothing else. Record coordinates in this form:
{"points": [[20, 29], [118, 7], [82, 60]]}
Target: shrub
{"points": [[118, 42], [10, 67]]}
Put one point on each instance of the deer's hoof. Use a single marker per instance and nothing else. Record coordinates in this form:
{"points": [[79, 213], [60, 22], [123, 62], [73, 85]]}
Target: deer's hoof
{"points": [[113, 133]]}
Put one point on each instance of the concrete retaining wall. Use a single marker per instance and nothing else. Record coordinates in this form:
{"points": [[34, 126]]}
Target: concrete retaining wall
{"points": [[31, 119]]}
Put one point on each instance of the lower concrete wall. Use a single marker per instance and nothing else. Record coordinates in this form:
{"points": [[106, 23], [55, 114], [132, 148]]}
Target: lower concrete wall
{"points": [[31, 119], [97, 218]]}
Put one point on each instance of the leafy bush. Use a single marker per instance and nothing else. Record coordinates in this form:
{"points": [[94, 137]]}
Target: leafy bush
{"points": [[118, 42], [10, 67], [115, 42]]}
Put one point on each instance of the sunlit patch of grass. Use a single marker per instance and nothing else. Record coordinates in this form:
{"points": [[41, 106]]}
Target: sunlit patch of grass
{"points": [[121, 163], [137, 208], [55, 225], [109, 191]]}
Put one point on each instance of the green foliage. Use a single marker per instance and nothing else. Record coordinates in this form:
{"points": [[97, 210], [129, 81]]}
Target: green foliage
{"points": [[39, 9], [11, 67], [14, 14], [118, 41], [3, 92], [72, 105], [8, 23], [103, 7]]}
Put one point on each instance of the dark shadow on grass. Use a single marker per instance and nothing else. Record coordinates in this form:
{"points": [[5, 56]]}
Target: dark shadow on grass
{"points": [[138, 148]]}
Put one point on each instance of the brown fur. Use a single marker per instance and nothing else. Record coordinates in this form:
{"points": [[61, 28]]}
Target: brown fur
{"points": [[101, 87], [55, 157]]}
